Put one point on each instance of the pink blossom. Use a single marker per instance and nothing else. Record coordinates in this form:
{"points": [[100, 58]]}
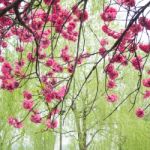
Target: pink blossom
{"points": [[70, 68], [111, 84], [145, 47], [49, 97], [71, 26], [28, 104], [49, 62], [6, 69], [118, 58], [37, 25], [20, 63], [36, 118], [140, 112], [25, 36], [109, 14], [103, 42], [42, 55], [145, 22], [11, 120], [136, 28], [83, 16], [110, 32], [4, 44], [75, 10], [146, 82], [55, 111], [102, 51], [148, 72], [27, 95], [9, 84], [109, 68], [113, 75], [132, 48], [64, 54], [18, 125], [51, 124], [105, 28], [18, 70], [147, 94], [14, 122], [19, 49], [45, 43], [53, 81], [112, 98], [57, 68], [30, 57], [5, 21], [50, 2], [137, 62], [1, 59], [129, 3], [61, 93]]}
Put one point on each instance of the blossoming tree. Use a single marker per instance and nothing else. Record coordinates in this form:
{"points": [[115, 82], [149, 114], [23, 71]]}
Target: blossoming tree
{"points": [[48, 47]]}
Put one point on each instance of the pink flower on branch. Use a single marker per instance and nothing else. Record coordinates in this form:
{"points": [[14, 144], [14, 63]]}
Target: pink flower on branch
{"points": [[112, 98], [140, 112]]}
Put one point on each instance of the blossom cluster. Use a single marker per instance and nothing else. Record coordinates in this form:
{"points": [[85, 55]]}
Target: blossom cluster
{"points": [[36, 32], [130, 51]]}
